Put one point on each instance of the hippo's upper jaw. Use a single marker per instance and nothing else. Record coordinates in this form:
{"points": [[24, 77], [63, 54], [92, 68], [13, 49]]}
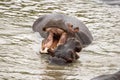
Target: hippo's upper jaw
{"points": [[58, 31]]}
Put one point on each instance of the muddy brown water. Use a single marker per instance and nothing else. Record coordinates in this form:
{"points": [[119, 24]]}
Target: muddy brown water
{"points": [[19, 45]]}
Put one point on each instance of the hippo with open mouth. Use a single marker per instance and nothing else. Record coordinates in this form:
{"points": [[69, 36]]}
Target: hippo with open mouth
{"points": [[63, 35]]}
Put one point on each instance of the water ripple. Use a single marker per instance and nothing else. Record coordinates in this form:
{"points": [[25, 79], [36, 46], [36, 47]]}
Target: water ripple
{"points": [[19, 46]]}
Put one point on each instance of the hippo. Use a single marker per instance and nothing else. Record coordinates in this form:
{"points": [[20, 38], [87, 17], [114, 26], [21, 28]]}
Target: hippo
{"points": [[63, 35], [115, 76], [112, 2]]}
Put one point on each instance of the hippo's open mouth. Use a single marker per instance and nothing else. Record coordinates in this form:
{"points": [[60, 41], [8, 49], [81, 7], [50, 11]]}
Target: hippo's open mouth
{"points": [[55, 38]]}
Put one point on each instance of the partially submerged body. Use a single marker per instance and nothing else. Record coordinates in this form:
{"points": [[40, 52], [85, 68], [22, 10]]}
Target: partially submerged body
{"points": [[57, 30], [115, 76]]}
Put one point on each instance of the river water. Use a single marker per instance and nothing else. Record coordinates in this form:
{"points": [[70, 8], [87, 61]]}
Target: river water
{"points": [[19, 45]]}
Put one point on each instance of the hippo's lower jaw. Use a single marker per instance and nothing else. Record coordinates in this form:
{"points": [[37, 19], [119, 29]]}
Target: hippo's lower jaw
{"points": [[55, 38]]}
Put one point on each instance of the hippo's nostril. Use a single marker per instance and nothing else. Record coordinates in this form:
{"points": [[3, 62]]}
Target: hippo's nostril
{"points": [[78, 49], [69, 60], [71, 54]]}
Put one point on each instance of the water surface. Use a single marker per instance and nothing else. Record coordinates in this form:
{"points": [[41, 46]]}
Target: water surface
{"points": [[19, 45]]}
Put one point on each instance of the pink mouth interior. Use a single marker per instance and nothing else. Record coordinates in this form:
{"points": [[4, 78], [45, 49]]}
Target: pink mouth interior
{"points": [[55, 38]]}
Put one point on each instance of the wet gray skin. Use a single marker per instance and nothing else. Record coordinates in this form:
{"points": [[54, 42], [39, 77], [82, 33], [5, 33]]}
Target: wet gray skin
{"points": [[66, 53], [19, 45], [115, 76]]}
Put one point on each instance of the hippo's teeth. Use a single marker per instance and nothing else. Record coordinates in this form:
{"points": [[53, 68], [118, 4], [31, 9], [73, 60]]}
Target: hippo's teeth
{"points": [[44, 51]]}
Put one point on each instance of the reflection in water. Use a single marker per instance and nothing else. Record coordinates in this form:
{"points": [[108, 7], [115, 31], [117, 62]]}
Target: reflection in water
{"points": [[19, 46]]}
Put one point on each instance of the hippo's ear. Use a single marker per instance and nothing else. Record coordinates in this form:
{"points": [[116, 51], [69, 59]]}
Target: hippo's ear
{"points": [[51, 52], [76, 29]]}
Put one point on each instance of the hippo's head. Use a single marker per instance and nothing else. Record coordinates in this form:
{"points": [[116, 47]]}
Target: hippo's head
{"points": [[66, 53], [63, 36]]}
